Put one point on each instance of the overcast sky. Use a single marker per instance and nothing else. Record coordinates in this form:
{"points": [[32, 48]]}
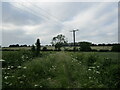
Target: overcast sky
{"points": [[23, 23]]}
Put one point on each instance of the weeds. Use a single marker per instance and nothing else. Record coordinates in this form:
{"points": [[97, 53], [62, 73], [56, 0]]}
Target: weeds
{"points": [[60, 70]]}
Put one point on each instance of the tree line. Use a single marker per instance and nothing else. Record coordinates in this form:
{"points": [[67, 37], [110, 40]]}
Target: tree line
{"points": [[61, 41], [17, 45]]}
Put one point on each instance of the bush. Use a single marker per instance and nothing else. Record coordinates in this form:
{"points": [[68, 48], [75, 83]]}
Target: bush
{"points": [[44, 49], [85, 46], [116, 48]]}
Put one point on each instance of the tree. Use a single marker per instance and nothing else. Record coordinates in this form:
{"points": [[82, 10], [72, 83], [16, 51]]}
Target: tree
{"points": [[58, 41], [38, 47], [85, 46]]}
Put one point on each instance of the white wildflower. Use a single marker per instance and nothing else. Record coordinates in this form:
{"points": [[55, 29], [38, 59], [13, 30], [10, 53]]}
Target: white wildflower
{"points": [[8, 68], [21, 81], [40, 86], [12, 76], [12, 66], [2, 60], [24, 67], [19, 77], [23, 75], [90, 77], [35, 85], [10, 84], [48, 78], [19, 67], [6, 77], [89, 69], [97, 72], [98, 66]]}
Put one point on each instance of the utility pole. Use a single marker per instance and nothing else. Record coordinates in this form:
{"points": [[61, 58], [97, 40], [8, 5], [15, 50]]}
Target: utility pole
{"points": [[74, 36]]}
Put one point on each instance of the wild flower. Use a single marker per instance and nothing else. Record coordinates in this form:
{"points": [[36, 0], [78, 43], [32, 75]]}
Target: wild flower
{"points": [[12, 66], [98, 66], [8, 68], [12, 76], [24, 67], [2, 60], [23, 75], [21, 81], [48, 78], [97, 72], [35, 85], [40, 86], [22, 56], [6, 77], [92, 67], [19, 67], [3, 68], [10, 84], [90, 77], [89, 69], [19, 77], [8, 73], [6, 82]]}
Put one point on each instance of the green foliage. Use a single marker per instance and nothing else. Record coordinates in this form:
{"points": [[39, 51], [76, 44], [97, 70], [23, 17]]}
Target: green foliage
{"points": [[92, 58], [59, 41], [85, 46], [15, 58], [64, 70], [44, 49], [36, 50], [33, 48], [116, 48]]}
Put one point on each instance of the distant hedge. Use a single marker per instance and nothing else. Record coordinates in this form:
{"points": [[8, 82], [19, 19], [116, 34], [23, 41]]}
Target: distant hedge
{"points": [[116, 48]]}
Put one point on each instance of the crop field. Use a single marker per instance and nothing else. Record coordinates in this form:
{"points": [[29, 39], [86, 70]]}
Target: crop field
{"points": [[52, 47], [60, 70]]}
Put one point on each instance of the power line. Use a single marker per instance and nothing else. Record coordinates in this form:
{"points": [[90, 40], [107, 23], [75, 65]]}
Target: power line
{"points": [[74, 36], [52, 16], [42, 15]]}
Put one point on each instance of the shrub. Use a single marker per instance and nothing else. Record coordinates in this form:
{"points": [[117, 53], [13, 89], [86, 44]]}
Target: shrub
{"points": [[44, 49], [116, 48], [85, 46]]}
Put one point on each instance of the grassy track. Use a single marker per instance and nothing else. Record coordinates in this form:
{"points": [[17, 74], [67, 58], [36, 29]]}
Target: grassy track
{"points": [[63, 70]]}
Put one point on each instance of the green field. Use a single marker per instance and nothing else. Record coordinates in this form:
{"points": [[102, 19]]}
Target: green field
{"points": [[60, 70], [51, 47]]}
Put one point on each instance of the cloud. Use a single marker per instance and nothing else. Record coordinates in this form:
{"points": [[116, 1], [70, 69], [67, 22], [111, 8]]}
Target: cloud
{"points": [[97, 22], [17, 16], [90, 23]]}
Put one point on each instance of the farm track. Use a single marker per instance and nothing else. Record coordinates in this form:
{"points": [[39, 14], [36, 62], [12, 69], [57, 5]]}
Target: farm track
{"points": [[66, 68]]}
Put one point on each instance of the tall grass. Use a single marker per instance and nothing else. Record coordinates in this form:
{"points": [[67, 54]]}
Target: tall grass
{"points": [[65, 70]]}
